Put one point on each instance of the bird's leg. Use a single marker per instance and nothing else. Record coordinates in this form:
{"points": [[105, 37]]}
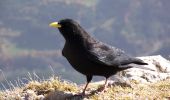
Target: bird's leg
{"points": [[104, 86], [81, 95], [89, 78]]}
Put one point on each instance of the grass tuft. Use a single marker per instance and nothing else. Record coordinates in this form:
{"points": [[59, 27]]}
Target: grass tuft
{"points": [[40, 89]]}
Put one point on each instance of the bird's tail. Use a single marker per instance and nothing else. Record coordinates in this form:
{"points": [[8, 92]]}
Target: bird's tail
{"points": [[139, 61]]}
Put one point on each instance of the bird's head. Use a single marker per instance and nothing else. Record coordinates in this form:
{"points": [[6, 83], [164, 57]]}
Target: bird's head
{"points": [[67, 27]]}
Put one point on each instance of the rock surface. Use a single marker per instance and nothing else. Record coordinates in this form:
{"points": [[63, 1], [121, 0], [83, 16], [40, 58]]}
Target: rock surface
{"points": [[160, 70]]}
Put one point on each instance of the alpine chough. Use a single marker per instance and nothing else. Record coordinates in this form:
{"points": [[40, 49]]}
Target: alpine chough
{"points": [[90, 56]]}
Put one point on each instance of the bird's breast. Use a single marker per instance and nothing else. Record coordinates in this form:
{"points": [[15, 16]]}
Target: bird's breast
{"points": [[74, 54]]}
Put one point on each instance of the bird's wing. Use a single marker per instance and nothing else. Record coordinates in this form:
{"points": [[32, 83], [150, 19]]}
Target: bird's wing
{"points": [[107, 55]]}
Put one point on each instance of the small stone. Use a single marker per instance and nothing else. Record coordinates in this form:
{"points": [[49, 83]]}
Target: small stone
{"points": [[40, 97]]}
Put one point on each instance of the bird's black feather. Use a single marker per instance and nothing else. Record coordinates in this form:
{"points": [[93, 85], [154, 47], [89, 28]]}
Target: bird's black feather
{"points": [[91, 57]]}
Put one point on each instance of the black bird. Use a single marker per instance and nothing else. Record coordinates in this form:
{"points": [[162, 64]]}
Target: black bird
{"points": [[88, 55]]}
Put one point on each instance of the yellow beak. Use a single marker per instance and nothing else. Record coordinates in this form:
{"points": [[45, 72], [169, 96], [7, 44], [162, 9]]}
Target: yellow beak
{"points": [[55, 25]]}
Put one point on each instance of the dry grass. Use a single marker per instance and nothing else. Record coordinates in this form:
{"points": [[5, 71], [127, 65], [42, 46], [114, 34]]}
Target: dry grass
{"points": [[38, 90], [154, 91], [53, 84]]}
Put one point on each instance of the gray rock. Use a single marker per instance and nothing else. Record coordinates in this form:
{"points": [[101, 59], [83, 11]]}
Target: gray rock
{"points": [[160, 70]]}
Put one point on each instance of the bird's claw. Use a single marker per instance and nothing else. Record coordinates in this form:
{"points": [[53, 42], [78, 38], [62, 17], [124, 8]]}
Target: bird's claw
{"points": [[102, 89]]}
